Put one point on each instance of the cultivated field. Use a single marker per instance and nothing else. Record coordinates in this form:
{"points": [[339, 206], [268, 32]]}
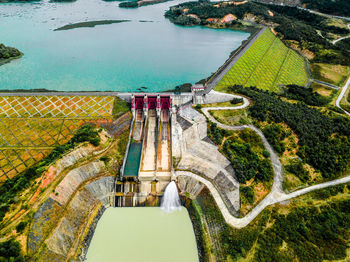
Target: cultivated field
{"points": [[30, 126], [267, 64]]}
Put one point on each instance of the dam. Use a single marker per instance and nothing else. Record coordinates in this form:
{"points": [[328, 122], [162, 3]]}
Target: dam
{"points": [[146, 170]]}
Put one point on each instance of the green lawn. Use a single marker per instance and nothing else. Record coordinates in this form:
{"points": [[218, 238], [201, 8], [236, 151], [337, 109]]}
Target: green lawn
{"points": [[266, 64]]}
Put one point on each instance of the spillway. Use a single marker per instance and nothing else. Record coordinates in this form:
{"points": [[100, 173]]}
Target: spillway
{"points": [[147, 167]]}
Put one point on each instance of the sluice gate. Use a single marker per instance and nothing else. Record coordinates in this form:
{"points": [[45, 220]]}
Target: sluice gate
{"points": [[147, 168]]}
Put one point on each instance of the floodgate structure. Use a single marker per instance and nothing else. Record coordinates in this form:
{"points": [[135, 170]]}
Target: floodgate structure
{"points": [[147, 167]]}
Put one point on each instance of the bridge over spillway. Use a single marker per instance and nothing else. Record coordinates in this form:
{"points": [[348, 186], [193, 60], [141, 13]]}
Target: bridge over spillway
{"points": [[147, 167]]}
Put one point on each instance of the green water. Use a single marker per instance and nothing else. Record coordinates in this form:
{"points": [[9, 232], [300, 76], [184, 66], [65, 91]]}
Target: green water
{"points": [[143, 234], [120, 57], [133, 161]]}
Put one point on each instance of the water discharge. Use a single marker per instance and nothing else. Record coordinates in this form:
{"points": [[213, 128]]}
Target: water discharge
{"points": [[171, 200], [143, 234]]}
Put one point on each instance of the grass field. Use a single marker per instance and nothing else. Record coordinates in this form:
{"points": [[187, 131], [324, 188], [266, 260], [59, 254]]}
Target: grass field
{"points": [[333, 74], [267, 64], [30, 126]]}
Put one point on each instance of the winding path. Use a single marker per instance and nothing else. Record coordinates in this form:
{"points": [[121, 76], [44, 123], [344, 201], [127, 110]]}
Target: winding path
{"points": [[340, 97], [335, 41], [270, 199], [277, 194], [276, 164]]}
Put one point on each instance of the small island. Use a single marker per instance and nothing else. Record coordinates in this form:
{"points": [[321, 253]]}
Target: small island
{"points": [[89, 24], [8, 53], [135, 4]]}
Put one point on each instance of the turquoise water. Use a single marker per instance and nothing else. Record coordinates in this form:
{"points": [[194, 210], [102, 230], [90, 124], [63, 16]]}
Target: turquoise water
{"points": [[133, 161], [119, 57]]}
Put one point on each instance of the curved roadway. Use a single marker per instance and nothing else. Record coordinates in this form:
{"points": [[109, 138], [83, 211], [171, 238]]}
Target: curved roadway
{"points": [[277, 194]]}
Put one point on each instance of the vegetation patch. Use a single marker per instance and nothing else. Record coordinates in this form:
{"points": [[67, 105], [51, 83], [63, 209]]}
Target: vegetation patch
{"points": [[306, 95], [90, 24], [10, 250], [232, 117], [308, 33], [334, 74], [12, 187], [338, 7], [250, 161], [120, 107], [8, 53], [31, 126], [323, 90], [323, 140], [302, 229]]}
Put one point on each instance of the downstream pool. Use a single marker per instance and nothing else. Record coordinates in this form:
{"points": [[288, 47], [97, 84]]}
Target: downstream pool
{"points": [[148, 51], [144, 234]]}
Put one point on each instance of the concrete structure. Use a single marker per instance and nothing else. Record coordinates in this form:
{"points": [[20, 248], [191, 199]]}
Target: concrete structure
{"points": [[147, 169]]}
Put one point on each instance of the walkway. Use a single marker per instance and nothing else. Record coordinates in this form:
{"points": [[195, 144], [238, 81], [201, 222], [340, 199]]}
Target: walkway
{"points": [[324, 83]]}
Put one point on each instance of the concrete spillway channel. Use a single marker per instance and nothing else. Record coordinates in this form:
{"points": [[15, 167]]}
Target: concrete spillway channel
{"points": [[147, 168]]}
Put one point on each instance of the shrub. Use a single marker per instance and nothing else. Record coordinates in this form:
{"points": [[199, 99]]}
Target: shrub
{"points": [[198, 106], [296, 168], [248, 193], [21, 226], [236, 101], [11, 250]]}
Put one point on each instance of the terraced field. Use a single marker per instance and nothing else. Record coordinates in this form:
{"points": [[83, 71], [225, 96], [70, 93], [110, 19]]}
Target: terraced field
{"points": [[267, 64], [30, 126]]}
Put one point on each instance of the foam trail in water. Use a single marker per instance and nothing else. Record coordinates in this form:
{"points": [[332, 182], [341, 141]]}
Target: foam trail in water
{"points": [[171, 200]]}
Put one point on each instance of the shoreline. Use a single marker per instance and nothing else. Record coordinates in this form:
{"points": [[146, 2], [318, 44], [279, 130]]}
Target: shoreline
{"points": [[8, 60]]}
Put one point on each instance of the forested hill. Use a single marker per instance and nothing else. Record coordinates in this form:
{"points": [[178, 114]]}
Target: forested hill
{"points": [[334, 7], [296, 27], [7, 52], [324, 140]]}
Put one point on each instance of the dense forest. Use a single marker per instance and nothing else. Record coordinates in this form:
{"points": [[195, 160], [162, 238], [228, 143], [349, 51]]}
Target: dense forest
{"points": [[324, 140], [7, 52], [306, 95], [310, 31], [335, 7], [12, 187], [302, 232], [245, 151], [10, 251]]}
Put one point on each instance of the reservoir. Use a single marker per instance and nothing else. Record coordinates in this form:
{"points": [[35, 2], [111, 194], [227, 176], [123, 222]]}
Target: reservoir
{"points": [[145, 234], [147, 51]]}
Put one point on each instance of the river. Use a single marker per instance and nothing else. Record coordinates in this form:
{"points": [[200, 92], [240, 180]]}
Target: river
{"points": [[121, 57], [144, 234]]}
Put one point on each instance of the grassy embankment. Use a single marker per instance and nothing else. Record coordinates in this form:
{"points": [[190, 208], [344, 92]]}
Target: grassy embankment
{"points": [[32, 126], [313, 227], [19, 194], [267, 64], [309, 34]]}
